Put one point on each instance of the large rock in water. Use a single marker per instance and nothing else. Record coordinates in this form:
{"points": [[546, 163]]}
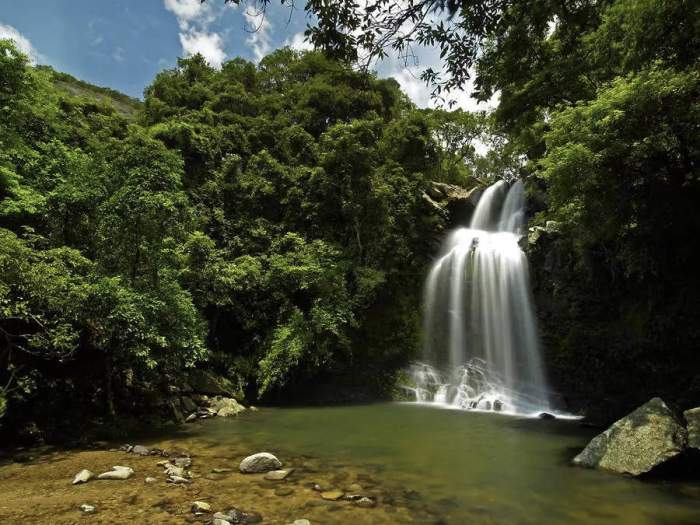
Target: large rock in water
{"points": [[261, 462], [638, 442], [692, 417]]}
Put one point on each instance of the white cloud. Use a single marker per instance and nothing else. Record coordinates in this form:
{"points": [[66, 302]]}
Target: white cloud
{"points": [[188, 11], [118, 55], [22, 42], [298, 43], [259, 40], [209, 45], [194, 18]]}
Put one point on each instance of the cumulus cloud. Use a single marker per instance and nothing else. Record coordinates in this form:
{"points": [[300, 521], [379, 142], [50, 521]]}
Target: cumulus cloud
{"points": [[193, 18], [209, 45], [259, 39], [22, 42], [298, 43]]}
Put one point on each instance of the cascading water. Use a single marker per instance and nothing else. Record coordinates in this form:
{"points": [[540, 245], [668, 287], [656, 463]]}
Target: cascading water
{"points": [[481, 337]]}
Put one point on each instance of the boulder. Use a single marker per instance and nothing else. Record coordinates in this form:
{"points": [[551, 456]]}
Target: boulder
{"points": [[692, 417], [226, 407], [258, 463], [635, 444], [83, 477], [188, 405], [239, 516], [206, 382]]}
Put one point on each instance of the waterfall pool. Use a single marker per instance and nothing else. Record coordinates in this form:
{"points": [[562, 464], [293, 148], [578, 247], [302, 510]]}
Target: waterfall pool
{"points": [[422, 464]]}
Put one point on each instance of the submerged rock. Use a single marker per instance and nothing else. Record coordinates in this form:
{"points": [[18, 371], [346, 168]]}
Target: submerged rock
{"points": [[258, 463], [278, 475], [635, 444], [301, 522], [692, 417], [498, 405], [235, 516], [546, 415], [332, 495], [117, 473], [83, 477]]}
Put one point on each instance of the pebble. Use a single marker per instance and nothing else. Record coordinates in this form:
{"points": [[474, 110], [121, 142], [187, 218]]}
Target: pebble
{"points": [[200, 507], [178, 480], [221, 470], [301, 522], [83, 477], [219, 521], [150, 480], [88, 509], [366, 503]]}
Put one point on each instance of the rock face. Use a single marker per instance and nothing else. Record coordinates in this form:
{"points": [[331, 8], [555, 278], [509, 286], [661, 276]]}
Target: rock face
{"points": [[692, 417], [261, 462], [206, 382], [453, 201], [638, 442]]}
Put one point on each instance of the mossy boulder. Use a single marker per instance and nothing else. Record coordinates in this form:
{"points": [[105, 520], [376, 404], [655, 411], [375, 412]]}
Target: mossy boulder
{"points": [[692, 418], [637, 443]]}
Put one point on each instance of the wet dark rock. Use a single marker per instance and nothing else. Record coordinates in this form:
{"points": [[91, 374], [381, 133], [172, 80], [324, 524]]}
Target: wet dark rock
{"points": [[546, 415], [639, 442], [498, 405]]}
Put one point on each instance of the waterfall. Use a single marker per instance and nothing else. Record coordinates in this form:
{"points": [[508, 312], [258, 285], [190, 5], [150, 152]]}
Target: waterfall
{"points": [[481, 345]]}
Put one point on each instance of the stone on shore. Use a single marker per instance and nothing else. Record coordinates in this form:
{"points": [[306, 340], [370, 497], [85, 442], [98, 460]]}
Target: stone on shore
{"points": [[83, 477], [117, 473], [258, 463], [141, 450], [88, 509], [637, 443]]}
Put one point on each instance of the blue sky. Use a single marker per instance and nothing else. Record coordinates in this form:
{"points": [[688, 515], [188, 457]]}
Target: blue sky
{"points": [[123, 44]]}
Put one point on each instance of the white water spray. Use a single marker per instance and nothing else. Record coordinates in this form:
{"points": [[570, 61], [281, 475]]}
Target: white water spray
{"points": [[481, 336]]}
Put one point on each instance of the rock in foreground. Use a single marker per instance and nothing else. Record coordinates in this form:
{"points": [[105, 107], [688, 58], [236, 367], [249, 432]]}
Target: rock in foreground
{"points": [[261, 462], [83, 477], [638, 442], [117, 473]]}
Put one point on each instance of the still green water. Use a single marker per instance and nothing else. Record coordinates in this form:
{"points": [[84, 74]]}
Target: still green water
{"points": [[469, 468]]}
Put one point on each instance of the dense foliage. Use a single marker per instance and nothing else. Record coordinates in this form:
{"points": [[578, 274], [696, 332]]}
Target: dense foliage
{"points": [[266, 221]]}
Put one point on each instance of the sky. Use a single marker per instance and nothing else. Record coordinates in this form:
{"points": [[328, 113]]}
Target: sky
{"points": [[123, 44]]}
